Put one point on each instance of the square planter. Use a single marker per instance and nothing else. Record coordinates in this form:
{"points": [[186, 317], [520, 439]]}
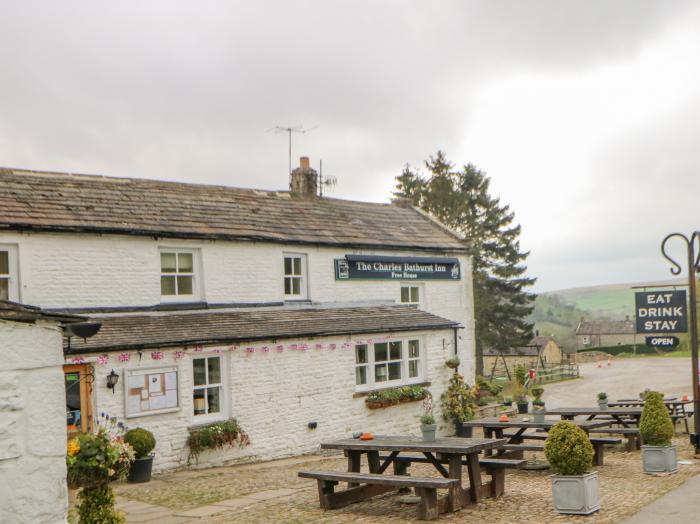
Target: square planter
{"points": [[659, 459], [576, 494], [428, 431]]}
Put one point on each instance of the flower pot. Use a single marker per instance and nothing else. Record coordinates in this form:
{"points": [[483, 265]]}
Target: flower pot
{"points": [[428, 432], [462, 430], [576, 494], [141, 469], [522, 406], [659, 459], [603, 404], [538, 415]]}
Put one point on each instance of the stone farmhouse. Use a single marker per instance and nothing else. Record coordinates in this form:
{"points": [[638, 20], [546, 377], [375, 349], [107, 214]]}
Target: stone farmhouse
{"points": [[278, 308], [606, 333], [540, 352]]}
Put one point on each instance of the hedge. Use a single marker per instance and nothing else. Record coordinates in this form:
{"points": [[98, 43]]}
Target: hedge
{"points": [[642, 349]]}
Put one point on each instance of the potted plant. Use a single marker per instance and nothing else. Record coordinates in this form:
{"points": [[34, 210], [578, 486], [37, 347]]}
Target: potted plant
{"points": [[519, 389], [603, 400], [427, 421], [458, 403], [143, 443], [507, 401], [537, 404], [656, 429], [452, 363], [570, 453]]}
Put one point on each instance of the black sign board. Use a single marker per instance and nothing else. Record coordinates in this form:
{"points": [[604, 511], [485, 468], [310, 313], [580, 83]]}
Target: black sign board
{"points": [[371, 267], [662, 342], [661, 311]]}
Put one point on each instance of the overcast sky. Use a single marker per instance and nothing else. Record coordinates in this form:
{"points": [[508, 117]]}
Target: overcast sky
{"points": [[586, 115]]}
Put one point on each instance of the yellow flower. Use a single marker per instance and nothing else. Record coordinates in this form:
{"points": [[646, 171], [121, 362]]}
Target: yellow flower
{"points": [[73, 447]]}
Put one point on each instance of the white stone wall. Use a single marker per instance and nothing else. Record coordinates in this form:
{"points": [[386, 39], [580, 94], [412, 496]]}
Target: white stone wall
{"points": [[274, 396], [32, 424]]}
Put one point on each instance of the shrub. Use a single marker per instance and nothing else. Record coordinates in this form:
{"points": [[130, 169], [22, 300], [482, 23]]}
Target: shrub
{"points": [[602, 396], [489, 388], [141, 440], [537, 392], [568, 449], [520, 374], [655, 426], [97, 506], [427, 420], [216, 435], [96, 459], [458, 400]]}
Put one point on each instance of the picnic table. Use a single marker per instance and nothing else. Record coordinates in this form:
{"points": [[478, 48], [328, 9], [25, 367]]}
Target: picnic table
{"points": [[494, 427], [450, 451], [621, 415], [675, 407]]}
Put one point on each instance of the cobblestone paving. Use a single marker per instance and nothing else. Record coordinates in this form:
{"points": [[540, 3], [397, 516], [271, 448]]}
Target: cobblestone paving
{"points": [[624, 489]]}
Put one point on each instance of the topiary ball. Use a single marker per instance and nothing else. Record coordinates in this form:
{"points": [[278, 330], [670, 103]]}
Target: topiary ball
{"points": [[141, 440], [656, 426], [568, 449]]}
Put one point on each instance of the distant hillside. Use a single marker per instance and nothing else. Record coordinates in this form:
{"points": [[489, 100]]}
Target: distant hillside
{"points": [[557, 313]]}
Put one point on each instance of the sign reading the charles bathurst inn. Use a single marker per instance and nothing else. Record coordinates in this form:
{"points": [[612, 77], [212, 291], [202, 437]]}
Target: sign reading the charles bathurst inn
{"points": [[661, 311], [370, 267]]}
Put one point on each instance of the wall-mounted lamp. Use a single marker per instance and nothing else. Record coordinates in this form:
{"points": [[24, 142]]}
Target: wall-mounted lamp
{"points": [[112, 380]]}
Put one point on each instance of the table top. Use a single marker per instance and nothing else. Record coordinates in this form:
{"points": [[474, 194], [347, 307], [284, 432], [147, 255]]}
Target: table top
{"points": [[417, 444], [668, 402], [666, 399], [615, 411], [494, 422]]}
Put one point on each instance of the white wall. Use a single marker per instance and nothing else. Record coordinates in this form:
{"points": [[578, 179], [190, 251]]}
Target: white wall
{"points": [[32, 424], [274, 396]]}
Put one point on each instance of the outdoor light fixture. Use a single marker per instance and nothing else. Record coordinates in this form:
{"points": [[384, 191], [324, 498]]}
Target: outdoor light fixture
{"points": [[112, 380]]}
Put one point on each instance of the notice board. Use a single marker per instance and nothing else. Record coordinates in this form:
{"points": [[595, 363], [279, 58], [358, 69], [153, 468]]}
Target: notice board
{"points": [[151, 391]]}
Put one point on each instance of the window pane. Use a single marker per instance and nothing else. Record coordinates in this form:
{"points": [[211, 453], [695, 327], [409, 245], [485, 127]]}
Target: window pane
{"points": [[395, 350], [184, 285], [395, 371], [414, 294], [361, 354], [405, 297], [361, 375], [380, 352], [4, 289], [199, 371], [412, 368], [413, 349], [287, 266], [184, 263], [214, 370], [4, 263], [167, 285], [198, 402], [380, 373], [287, 286], [297, 266], [167, 263], [213, 398], [296, 286]]}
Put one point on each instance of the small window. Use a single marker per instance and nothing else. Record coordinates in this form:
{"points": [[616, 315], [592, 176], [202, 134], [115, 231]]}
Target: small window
{"points": [[388, 363], [586, 341], [177, 274], [207, 390], [9, 282], [295, 277], [410, 295]]}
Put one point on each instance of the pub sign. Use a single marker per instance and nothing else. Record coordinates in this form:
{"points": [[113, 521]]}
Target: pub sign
{"points": [[661, 311], [372, 267]]}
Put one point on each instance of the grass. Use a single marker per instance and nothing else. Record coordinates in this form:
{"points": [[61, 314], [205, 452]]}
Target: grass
{"points": [[673, 354]]}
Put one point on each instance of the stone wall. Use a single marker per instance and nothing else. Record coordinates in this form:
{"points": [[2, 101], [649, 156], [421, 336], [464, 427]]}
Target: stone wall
{"points": [[274, 395], [32, 424]]}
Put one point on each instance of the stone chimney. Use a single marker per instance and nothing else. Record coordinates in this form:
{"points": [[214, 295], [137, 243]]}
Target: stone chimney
{"points": [[304, 180]]}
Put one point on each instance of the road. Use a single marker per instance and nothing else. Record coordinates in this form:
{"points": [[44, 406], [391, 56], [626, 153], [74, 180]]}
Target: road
{"points": [[625, 378]]}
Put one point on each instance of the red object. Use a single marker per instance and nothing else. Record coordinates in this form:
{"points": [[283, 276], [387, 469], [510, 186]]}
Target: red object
{"points": [[366, 436], [532, 374], [503, 418], [684, 397]]}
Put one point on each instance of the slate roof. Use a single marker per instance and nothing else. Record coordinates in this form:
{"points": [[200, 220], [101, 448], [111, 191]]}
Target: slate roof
{"points": [[606, 327], [24, 313], [32, 200], [209, 327]]}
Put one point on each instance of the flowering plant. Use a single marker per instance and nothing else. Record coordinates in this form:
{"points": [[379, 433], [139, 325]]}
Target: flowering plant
{"points": [[95, 459]]}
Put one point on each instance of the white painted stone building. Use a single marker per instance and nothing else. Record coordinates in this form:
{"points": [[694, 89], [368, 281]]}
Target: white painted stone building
{"points": [[280, 309]]}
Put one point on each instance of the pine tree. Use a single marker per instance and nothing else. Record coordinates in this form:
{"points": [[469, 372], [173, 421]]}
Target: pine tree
{"points": [[461, 200]]}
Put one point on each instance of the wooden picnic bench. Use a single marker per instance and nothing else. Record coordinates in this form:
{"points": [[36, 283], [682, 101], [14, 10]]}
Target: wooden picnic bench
{"points": [[676, 408], [634, 438], [624, 416], [598, 443], [453, 452]]}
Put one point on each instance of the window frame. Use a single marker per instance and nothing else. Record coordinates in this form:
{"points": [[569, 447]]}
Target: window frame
{"points": [[372, 384], [223, 388], [303, 276], [410, 286], [197, 288], [12, 277]]}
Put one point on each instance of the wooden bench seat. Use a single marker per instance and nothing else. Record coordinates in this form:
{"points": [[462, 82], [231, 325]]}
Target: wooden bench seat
{"points": [[529, 436], [634, 439], [599, 444], [426, 488]]}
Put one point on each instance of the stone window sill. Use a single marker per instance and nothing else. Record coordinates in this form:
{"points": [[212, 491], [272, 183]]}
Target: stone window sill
{"points": [[359, 394]]}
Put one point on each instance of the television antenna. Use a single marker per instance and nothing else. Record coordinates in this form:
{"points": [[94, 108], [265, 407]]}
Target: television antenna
{"points": [[289, 130], [330, 181]]}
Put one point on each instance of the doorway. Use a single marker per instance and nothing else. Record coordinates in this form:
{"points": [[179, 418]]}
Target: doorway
{"points": [[78, 383]]}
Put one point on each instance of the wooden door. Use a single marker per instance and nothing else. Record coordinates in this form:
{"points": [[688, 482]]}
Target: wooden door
{"points": [[78, 382]]}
